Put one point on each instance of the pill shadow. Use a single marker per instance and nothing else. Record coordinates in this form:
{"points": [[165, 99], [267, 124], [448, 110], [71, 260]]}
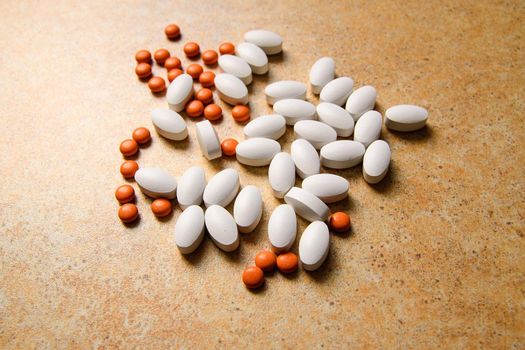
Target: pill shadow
{"points": [[385, 186], [160, 93], [344, 234], [195, 257], [260, 290], [418, 136], [167, 217], [322, 273], [133, 224], [277, 58], [178, 145], [291, 275], [344, 205]]}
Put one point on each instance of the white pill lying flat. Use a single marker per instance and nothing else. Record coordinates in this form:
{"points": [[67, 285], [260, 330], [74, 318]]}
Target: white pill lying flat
{"points": [[406, 117], [282, 228], [281, 174], [376, 161], [156, 183], [254, 56], [208, 140], [222, 228], [169, 124], [368, 128], [315, 132], [257, 151], [294, 110], [329, 188], [361, 101], [306, 204], [314, 245], [284, 89], [305, 158], [237, 67], [247, 209], [222, 188], [270, 42], [191, 187], [321, 73], [180, 91], [271, 126], [231, 89], [342, 154], [337, 91], [337, 117], [189, 229]]}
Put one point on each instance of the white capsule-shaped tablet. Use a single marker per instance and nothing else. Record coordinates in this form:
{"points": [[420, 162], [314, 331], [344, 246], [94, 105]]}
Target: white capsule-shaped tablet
{"points": [[254, 56], [294, 110], [247, 210], [336, 117], [281, 174], [360, 101], [376, 161], [222, 188], [208, 140], [305, 158], [222, 228], [237, 67], [191, 187], [315, 132], [406, 118], [337, 91], [271, 43], [306, 204], [321, 73], [231, 89], [284, 89], [180, 91], [169, 124], [314, 245], [189, 229], [342, 154], [368, 128], [257, 151], [329, 188], [282, 228], [271, 126], [156, 183]]}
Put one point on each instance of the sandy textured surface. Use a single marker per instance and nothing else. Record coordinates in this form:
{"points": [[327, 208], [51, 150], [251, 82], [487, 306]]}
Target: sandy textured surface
{"points": [[436, 257]]}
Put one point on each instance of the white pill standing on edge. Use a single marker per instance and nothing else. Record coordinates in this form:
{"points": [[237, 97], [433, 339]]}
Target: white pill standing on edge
{"points": [[321, 73], [305, 158], [270, 42], [191, 187], [189, 229], [361, 101], [342, 154], [169, 124], [376, 161], [156, 183], [283, 89], [314, 245], [208, 140], [282, 228], [337, 91], [406, 117], [254, 56], [222, 228], [222, 188], [271, 126], [257, 151], [368, 128], [248, 208], [231, 89], [180, 91], [329, 188], [336, 117], [315, 132], [294, 110], [306, 204], [281, 174], [237, 67]]}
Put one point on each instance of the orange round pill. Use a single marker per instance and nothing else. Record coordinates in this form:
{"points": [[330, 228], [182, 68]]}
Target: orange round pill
{"points": [[287, 262], [339, 222], [204, 95], [253, 277], [128, 213], [191, 49], [156, 84], [226, 48], [194, 109], [172, 63], [143, 70], [141, 135], [143, 56], [266, 260], [173, 73], [161, 55], [129, 168], [241, 113], [129, 147], [161, 207], [207, 79], [172, 31], [194, 70], [210, 57], [125, 194], [212, 112], [228, 147]]}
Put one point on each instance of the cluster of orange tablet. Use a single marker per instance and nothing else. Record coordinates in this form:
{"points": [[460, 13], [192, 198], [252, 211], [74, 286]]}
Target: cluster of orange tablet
{"points": [[266, 261]]}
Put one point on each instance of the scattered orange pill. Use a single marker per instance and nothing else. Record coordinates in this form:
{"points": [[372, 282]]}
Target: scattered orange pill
{"points": [[129, 168], [191, 49], [228, 147], [156, 84], [226, 48], [253, 277], [129, 147], [173, 73], [141, 135], [194, 109], [161, 55], [125, 194], [143, 56], [207, 79], [204, 95], [172, 63], [143, 70], [210, 57], [287, 262], [195, 70], [266, 260], [172, 31], [339, 222], [241, 113], [212, 112], [128, 213], [161, 207]]}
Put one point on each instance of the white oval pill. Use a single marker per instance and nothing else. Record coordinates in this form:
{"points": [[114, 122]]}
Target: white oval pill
{"points": [[321, 73], [314, 245], [169, 124], [368, 128], [191, 187], [376, 161], [208, 140], [257, 151], [247, 209], [222, 228], [317, 133], [270, 42], [337, 91], [361, 101], [329, 188], [305, 158], [156, 183], [271, 126], [282, 228], [284, 89], [231, 89], [294, 110], [237, 67], [336, 116], [222, 188], [342, 154], [306, 204], [281, 174], [254, 56], [406, 117], [180, 91], [189, 229]]}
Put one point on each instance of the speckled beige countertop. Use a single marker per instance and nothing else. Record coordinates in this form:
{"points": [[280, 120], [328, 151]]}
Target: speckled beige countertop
{"points": [[436, 257]]}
